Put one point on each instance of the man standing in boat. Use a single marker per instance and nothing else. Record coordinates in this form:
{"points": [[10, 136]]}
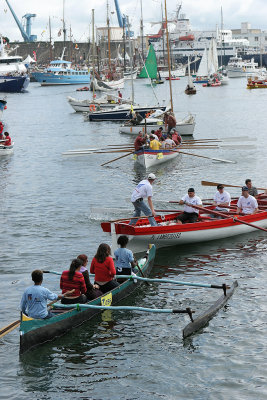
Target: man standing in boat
{"points": [[170, 121], [190, 214], [144, 191], [252, 190], [247, 204]]}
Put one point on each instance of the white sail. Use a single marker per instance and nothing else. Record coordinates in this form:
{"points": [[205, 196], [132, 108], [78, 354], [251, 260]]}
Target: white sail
{"points": [[203, 66], [215, 54]]}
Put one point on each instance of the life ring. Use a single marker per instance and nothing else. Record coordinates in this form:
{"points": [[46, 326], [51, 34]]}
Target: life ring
{"points": [[92, 107]]}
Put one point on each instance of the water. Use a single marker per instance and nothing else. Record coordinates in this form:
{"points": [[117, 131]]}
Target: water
{"points": [[46, 221]]}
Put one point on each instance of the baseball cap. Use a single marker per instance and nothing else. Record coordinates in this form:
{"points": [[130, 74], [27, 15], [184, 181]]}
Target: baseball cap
{"points": [[151, 176], [244, 188], [191, 190]]}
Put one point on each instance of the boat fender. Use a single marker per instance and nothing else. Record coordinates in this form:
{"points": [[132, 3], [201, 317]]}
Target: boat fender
{"points": [[92, 107]]}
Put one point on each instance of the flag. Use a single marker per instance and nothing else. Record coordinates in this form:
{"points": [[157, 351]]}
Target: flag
{"points": [[34, 55]]}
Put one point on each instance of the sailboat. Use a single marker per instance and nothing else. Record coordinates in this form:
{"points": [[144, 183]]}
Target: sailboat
{"points": [[190, 88], [202, 72], [150, 68]]}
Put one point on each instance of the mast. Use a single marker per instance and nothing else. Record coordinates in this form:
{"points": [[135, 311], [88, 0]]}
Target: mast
{"points": [[163, 45], [108, 25], [64, 27], [50, 39], [124, 48], [142, 30], [93, 48], [168, 49], [221, 38], [131, 58]]}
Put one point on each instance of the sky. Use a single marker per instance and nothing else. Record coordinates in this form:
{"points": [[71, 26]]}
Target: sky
{"points": [[203, 15]]}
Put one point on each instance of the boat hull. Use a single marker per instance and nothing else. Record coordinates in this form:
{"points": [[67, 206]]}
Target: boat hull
{"points": [[175, 234], [39, 331], [184, 128], [121, 115], [12, 84], [150, 158], [53, 79], [6, 150]]}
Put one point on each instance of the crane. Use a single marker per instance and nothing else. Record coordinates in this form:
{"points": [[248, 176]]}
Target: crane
{"points": [[122, 20], [25, 34]]}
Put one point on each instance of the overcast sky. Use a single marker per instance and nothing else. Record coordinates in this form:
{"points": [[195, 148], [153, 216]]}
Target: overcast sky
{"points": [[203, 14]]}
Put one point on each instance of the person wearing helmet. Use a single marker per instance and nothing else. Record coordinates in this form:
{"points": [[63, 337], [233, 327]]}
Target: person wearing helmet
{"points": [[144, 191]]}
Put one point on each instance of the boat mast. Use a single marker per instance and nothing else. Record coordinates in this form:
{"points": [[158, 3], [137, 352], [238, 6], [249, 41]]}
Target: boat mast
{"points": [[168, 49], [50, 38], [93, 45], [162, 24], [131, 58], [142, 30], [64, 27], [108, 25], [221, 37]]}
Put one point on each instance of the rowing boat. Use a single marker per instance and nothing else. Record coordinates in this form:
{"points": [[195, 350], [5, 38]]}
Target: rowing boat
{"points": [[149, 158], [34, 332], [6, 150], [169, 233]]}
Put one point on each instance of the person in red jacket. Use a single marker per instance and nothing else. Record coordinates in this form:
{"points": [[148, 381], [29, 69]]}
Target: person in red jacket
{"points": [[170, 121], [140, 141], [176, 137], [73, 279], [103, 267], [8, 141]]}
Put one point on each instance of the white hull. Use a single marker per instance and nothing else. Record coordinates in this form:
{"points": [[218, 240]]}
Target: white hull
{"points": [[128, 75], [84, 105], [108, 85], [184, 128], [6, 150], [174, 73], [151, 160], [139, 243]]}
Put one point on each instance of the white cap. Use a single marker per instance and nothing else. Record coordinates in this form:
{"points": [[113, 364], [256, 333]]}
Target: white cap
{"points": [[151, 176]]}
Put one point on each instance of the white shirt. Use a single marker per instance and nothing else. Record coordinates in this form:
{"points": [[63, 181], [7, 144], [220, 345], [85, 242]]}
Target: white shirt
{"points": [[142, 190], [247, 205], [192, 200], [168, 143], [222, 198]]}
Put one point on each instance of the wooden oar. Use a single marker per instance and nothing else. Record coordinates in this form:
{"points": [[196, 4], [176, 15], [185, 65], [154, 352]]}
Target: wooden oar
{"points": [[225, 216], [208, 183], [118, 158], [9, 328], [209, 158]]}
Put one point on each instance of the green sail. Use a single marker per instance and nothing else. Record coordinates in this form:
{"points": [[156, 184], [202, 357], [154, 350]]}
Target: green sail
{"points": [[150, 65]]}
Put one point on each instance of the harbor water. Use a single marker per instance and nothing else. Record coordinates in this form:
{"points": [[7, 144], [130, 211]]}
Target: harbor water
{"points": [[51, 209]]}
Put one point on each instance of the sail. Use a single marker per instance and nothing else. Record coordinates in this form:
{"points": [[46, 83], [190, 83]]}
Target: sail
{"points": [[215, 55], [203, 66], [150, 68]]}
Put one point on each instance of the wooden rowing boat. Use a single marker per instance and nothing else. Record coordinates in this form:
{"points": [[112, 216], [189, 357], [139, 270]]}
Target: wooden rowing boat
{"points": [[169, 233], [6, 150], [149, 158], [34, 332], [202, 320]]}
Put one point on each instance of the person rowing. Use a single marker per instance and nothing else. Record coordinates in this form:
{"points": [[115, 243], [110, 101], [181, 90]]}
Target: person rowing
{"points": [[222, 199], [124, 258], [247, 204], [34, 300], [252, 190], [190, 214], [140, 141]]}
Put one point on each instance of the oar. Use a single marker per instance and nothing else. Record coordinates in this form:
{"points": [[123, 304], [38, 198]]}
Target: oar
{"points": [[208, 183], [9, 328], [130, 308], [209, 158], [118, 158], [226, 216], [162, 280]]}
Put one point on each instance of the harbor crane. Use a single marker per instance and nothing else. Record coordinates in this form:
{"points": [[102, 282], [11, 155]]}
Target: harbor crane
{"points": [[27, 36]]}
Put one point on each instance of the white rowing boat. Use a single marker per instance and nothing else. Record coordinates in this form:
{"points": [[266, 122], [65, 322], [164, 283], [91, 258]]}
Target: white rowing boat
{"points": [[6, 150]]}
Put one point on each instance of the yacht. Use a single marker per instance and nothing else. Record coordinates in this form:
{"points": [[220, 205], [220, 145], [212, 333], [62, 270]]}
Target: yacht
{"points": [[60, 72], [238, 68], [13, 73]]}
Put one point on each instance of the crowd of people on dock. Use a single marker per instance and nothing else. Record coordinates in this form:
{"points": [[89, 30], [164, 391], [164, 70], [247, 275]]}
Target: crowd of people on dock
{"points": [[75, 282]]}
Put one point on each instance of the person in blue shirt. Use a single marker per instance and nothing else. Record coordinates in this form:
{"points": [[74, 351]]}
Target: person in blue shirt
{"points": [[124, 259], [34, 299]]}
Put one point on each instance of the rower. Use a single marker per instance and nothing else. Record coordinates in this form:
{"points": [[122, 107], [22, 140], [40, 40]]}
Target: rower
{"points": [[222, 199], [8, 140], [247, 204], [140, 141], [190, 214], [252, 190], [154, 143], [124, 259], [34, 299]]}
